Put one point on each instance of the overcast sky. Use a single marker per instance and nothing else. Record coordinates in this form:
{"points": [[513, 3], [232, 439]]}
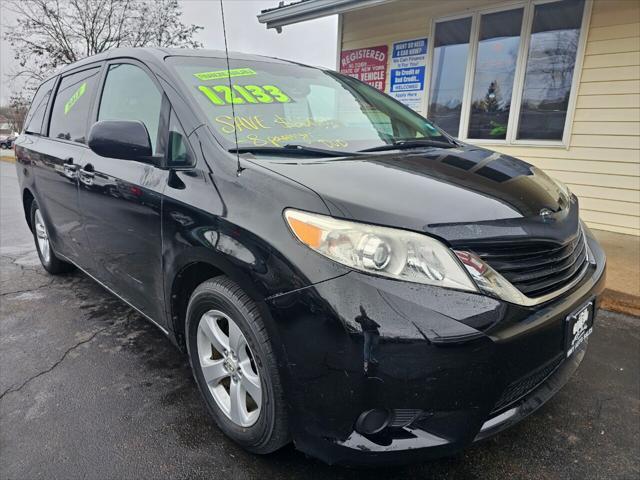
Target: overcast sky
{"points": [[310, 42]]}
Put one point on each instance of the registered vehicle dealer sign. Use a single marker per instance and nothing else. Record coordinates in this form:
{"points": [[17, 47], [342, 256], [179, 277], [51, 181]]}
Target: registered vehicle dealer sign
{"points": [[368, 65]]}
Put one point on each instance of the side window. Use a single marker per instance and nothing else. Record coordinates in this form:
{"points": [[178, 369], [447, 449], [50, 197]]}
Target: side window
{"points": [[72, 104], [179, 153], [35, 117], [129, 94]]}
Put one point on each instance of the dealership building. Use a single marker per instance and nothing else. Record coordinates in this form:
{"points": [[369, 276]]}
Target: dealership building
{"points": [[556, 83]]}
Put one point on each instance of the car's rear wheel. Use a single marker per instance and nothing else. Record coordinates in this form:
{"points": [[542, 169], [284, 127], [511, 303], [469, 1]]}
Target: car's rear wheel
{"points": [[234, 366], [48, 258]]}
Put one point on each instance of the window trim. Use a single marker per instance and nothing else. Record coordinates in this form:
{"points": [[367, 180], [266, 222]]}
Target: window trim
{"points": [[519, 74], [46, 120]]}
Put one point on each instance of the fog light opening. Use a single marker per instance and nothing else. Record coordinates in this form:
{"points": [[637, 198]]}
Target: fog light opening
{"points": [[372, 421]]}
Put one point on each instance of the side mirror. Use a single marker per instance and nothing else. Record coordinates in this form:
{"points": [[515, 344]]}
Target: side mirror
{"points": [[123, 139]]}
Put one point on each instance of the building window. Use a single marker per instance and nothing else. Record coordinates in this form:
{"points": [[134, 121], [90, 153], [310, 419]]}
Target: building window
{"points": [[495, 71], [506, 75], [550, 63], [450, 54]]}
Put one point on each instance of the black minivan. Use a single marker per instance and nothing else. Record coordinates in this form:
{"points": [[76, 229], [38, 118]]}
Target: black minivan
{"points": [[341, 273]]}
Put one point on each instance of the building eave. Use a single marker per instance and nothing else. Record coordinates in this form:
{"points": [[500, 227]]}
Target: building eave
{"points": [[311, 9]]}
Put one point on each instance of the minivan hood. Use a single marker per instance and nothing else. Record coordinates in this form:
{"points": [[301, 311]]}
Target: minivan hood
{"points": [[455, 193]]}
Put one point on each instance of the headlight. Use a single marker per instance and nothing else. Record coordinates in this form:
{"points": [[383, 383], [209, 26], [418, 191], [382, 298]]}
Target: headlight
{"points": [[382, 251], [563, 188], [490, 281]]}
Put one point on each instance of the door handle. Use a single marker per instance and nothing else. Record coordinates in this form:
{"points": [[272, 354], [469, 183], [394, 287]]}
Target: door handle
{"points": [[69, 168], [86, 174]]}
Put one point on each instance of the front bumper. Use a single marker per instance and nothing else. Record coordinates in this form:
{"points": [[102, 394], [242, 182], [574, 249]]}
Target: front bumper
{"points": [[456, 366]]}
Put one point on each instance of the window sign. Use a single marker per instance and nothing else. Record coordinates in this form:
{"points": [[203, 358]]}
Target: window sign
{"points": [[368, 65], [408, 65]]}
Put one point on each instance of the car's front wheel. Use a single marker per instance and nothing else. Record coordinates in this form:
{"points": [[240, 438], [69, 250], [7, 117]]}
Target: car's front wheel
{"points": [[48, 258], [234, 366]]}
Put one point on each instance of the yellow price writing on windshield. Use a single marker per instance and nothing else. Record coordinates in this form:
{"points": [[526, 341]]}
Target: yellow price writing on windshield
{"points": [[240, 94]]}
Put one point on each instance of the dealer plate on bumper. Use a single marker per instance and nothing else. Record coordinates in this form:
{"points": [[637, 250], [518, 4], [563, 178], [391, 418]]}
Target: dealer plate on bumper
{"points": [[579, 326]]}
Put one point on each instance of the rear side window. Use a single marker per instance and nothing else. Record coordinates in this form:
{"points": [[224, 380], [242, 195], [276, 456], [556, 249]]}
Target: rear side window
{"points": [[35, 117], [72, 104], [130, 94]]}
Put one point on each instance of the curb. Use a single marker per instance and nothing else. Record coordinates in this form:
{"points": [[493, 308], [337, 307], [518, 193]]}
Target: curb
{"points": [[620, 302]]}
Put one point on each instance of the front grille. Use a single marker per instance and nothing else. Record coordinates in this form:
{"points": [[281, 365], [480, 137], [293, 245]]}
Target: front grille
{"points": [[527, 384], [536, 268]]}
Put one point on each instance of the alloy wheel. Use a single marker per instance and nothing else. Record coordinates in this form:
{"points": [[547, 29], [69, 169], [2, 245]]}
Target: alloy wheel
{"points": [[42, 237], [229, 368]]}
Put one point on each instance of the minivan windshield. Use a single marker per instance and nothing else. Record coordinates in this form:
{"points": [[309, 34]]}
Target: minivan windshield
{"points": [[280, 105]]}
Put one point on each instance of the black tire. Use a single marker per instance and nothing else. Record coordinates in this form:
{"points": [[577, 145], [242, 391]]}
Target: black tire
{"points": [[53, 264], [271, 431]]}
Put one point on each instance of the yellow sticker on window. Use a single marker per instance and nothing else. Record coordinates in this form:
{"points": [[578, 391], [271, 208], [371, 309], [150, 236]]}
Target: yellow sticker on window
{"points": [[75, 97], [240, 94], [236, 72]]}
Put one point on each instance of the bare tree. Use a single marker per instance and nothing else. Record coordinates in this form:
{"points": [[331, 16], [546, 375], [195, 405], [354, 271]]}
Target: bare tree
{"points": [[50, 33], [15, 112]]}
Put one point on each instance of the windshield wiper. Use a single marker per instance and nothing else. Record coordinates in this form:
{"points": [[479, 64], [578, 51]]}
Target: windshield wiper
{"points": [[294, 149], [405, 144]]}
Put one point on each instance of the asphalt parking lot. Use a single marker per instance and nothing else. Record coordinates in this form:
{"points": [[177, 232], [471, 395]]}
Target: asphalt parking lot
{"points": [[89, 389]]}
